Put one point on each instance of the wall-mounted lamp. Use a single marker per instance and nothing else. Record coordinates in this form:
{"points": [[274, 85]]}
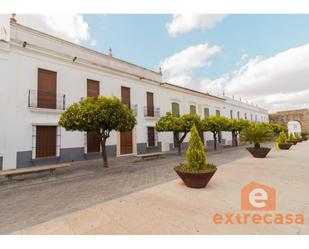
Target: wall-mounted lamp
{"points": [[74, 59], [24, 44]]}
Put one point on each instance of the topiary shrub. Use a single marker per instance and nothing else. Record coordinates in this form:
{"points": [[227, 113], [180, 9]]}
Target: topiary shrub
{"points": [[282, 138], [304, 135], [291, 137], [196, 156], [296, 135]]}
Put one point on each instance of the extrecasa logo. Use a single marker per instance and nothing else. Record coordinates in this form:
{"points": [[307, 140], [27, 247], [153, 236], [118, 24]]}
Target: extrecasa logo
{"points": [[262, 200]]}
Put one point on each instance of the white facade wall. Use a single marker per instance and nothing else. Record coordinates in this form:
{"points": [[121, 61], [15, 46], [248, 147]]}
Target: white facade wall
{"points": [[19, 68]]}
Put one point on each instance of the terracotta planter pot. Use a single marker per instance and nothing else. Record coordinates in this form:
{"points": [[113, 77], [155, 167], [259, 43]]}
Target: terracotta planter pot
{"points": [[194, 180], [259, 153], [292, 142], [285, 146]]}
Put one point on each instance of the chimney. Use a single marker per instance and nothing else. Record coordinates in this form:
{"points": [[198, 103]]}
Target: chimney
{"points": [[110, 51]]}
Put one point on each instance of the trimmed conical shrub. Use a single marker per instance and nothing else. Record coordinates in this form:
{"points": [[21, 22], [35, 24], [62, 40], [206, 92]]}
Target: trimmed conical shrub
{"points": [[282, 138], [195, 155], [291, 137], [296, 134]]}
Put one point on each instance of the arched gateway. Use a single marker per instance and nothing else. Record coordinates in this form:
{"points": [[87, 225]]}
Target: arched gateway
{"points": [[301, 116]]}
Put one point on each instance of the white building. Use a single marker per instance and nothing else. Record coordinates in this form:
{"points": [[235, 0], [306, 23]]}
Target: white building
{"points": [[41, 75]]}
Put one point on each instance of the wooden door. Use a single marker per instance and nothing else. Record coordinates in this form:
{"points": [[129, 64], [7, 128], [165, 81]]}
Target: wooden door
{"points": [[47, 89], [46, 141], [93, 139], [126, 141], [150, 107], [151, 136]]}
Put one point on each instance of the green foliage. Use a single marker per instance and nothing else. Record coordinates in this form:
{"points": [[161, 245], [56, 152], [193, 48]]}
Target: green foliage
{"points": [[257, 134], [101, 115], [296, 135], [176, 124], [195, 155], [215, 124], [282, 138], [171, 122], [278, 128], [291, 137], [304, 135]]}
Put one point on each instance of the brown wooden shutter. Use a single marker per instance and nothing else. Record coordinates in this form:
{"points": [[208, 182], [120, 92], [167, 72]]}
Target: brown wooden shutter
{"points": [[47, 89], [125, 96], [46, 141], [93, 88], [126, 140], [93, 139], [150, 107], [151, 136]]}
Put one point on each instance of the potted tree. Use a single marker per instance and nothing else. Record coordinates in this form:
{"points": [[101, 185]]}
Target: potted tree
{"points": [[292, 139], [196, 173], [304, 136], [297, 137], [257, 134], [282, 141]]}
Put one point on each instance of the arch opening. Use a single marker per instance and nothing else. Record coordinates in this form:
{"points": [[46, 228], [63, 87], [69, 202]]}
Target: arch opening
{"points": [[294, 126]]}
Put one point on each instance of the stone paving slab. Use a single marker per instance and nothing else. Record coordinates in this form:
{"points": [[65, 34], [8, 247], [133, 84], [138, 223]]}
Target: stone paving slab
{"points": [[37, 198], [171, 208]]}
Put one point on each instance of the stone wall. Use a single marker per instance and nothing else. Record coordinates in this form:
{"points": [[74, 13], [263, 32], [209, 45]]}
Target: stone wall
{"points": [[302, 116]]}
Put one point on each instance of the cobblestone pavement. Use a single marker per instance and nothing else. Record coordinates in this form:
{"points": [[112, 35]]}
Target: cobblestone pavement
{"points": [[33, 199]]}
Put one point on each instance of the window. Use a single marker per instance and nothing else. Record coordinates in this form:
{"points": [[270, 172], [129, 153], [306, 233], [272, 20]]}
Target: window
{"points": [[251, 117], [231, 113], [47, 89], [192, 109], [238, 115], [256, 118], [151, 136], [150, 107], [46, 141], [175, 109], [245, 115], [206, 112], [218, 113]]}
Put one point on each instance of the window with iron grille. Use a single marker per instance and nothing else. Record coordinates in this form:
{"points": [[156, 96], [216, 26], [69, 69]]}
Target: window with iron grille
{"points": [[238, 115], [217, 113], [231, 113]]}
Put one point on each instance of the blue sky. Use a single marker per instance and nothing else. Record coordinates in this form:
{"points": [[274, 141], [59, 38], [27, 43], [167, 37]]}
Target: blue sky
{"points": [[144, 40]]}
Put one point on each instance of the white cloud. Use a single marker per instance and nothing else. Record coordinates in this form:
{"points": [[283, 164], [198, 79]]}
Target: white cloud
{"points": [[185, 23], [69, 27], [279, 82], [179, 67]]}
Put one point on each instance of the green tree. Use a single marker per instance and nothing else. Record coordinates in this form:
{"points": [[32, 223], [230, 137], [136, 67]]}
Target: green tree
{"points": [[282, 138], [257, 134], [277, 128], [195, 155], [101, 115], [291, 137], [235, 127], [215, 124], [178, 125], [296, 135]]}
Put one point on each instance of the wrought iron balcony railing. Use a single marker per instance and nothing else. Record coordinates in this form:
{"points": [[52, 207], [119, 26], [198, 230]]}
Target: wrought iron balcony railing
{"points": [[42, 99], [150, 111]]}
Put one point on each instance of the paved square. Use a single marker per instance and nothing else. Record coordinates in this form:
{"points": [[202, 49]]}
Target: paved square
{"points": [[171, 208]]}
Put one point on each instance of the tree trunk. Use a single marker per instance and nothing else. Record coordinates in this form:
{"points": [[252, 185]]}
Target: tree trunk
{"points": [[103, 142], [215, 141], [257, 146], [179, 148]]}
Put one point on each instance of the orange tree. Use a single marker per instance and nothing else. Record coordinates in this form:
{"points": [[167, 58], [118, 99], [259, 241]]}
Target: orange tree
{"points": [[101, 115]]}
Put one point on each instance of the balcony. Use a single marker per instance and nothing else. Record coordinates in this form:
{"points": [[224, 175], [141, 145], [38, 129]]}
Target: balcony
{"points": [[47, 100], [151, 112]]}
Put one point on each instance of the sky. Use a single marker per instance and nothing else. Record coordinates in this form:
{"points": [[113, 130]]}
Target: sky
{"points": [[263, 59]]}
